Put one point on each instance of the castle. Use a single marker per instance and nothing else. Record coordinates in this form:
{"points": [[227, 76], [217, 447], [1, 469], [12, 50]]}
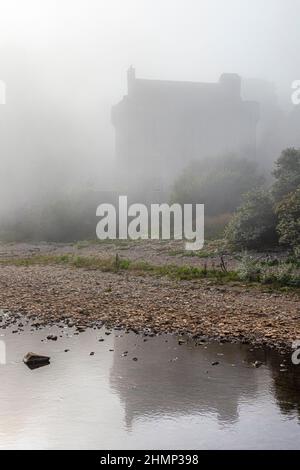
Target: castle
{"points": [[161, 126]]}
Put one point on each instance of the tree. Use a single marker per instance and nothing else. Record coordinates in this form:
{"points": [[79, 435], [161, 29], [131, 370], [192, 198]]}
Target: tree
{"points": [[287, 174], [254, 224], [219, 183], [288, 211]]}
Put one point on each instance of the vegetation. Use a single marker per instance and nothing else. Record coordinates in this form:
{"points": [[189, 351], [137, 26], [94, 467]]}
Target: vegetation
{"points": [[218, 183], [287, 174], [288, 212], [68, 218], [249, 269], [254, 223], [271, 216], [231, 188], [115, 264], [281, 273]]}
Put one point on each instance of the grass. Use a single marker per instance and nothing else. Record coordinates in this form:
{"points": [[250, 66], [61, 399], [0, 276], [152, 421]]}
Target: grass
{"points": [[113, 264], [274, 272], [117, 264]]}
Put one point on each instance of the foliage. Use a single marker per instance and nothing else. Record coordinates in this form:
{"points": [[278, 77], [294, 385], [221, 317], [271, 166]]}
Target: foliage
{"points": [[269, 217], [248, 268], [288, 211], [282, 274], [287, 174], [68, 218], [254, 224], [218, 183]]}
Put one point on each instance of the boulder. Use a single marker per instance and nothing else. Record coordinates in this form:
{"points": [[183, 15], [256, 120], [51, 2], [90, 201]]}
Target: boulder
{"points": [[33, 360]]}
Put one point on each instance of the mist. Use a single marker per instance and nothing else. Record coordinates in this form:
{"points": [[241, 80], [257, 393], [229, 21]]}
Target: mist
{"points": [[64, 64]]}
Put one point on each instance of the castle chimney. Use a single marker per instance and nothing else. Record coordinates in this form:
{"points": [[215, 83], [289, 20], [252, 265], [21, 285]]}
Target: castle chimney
{"points": [[130, 79]]}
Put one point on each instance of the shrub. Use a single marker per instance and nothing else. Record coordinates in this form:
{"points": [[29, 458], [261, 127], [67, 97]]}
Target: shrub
{"points": [[288, 211], [248, 268], [215, 225], [254, 223], [281, 274], [287, 174], [218, 183], [252, 270]]}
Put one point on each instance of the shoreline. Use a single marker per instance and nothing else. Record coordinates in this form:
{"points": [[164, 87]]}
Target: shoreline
{"points": [[146, 331], [146, 304]]}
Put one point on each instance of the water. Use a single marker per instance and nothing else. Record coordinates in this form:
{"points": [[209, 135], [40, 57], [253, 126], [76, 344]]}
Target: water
{"points": [[171, 397]]}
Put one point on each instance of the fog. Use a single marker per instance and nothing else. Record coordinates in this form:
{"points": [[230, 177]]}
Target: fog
{"points": [[64, 64]]}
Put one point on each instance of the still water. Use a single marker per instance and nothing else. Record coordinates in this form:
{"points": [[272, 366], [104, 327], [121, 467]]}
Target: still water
{"points": [[137, 392]]}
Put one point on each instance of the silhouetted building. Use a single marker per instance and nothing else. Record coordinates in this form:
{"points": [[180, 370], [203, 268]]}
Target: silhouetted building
{"points": [[163, 125]]}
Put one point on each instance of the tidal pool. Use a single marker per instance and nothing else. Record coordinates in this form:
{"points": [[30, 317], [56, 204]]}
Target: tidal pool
{"points": [[144, 392]]}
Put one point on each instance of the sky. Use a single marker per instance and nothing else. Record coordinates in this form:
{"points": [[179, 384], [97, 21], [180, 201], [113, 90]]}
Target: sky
{"points": [[179, 39], [64, 63]]}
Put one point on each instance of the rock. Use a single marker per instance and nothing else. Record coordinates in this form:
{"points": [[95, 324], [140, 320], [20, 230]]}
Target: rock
{"points": [[80, 328], [52, 337], [33, 360], [174, 359], [101, 339], [257, 364], [67, 350], [135, 359], [216, 363], [92, 353]]}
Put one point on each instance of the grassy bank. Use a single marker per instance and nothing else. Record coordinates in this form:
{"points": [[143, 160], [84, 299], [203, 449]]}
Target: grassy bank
{"points": [[250, 275], [115, 264]]}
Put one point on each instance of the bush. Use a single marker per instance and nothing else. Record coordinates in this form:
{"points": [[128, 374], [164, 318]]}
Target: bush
{"points": [[269, 217], [252, 270], [288, 211], [254, 224], [69, 217], [282, 274], [215, 225], [248, 268], [218, 183], [287, 174]]}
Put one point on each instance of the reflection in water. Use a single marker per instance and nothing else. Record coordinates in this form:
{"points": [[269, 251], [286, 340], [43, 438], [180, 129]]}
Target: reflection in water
{"points": [[170, 397], [179, 380], [286, 386]]}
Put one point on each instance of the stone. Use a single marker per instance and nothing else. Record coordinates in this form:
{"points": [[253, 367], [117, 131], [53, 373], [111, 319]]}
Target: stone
{"points": [[52, 337], [33, 360], [257, 364]]}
